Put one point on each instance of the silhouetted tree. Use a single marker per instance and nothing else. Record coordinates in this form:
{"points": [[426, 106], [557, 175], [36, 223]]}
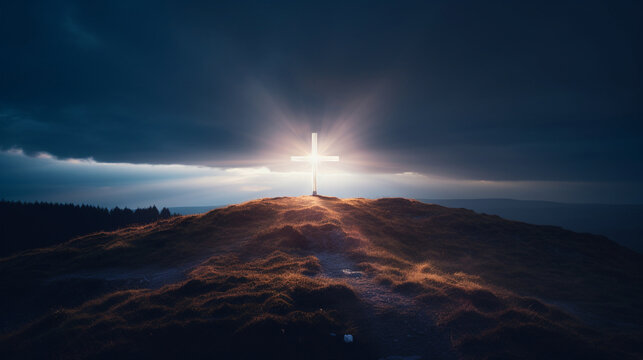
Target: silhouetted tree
{"points": [[165, 213]]}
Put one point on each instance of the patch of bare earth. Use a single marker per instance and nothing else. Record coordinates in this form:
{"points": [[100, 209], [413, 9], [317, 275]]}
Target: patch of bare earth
{"points": [[401, 324]]}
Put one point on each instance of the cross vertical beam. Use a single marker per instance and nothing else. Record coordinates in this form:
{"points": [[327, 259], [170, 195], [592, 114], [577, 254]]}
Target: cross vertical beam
{"points": [[315, 162]]}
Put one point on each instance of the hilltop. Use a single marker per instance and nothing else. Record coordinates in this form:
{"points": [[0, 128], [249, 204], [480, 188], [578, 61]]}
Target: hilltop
{"points": [[288, 277]]}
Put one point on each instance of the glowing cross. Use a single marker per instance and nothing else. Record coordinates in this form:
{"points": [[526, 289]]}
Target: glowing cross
{"points": [[314, 159]]}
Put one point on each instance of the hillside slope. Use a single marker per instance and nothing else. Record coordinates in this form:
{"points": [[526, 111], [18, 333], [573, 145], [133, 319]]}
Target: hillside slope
{"points": [[287, 277]]}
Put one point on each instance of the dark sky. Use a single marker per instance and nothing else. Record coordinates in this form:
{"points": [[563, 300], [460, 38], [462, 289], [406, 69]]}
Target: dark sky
{"points": [[493, 90]]}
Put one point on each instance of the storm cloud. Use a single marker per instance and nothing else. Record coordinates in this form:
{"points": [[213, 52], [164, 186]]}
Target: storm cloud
{"points": [[486, 90]]}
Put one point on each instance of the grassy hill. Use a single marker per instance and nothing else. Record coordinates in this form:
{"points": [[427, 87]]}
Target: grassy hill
{"points": [[288, 277]]}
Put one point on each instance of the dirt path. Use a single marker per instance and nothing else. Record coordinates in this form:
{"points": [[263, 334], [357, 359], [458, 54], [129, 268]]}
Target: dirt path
{"points": [[401, 325]]}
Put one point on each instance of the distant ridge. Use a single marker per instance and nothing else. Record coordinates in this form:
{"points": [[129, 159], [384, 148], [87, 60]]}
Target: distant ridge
{"points": [[191, 210], [622, 223]]}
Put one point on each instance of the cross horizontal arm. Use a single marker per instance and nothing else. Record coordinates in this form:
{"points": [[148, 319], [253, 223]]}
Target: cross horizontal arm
{"points": [[300, 158], [328, 158]]}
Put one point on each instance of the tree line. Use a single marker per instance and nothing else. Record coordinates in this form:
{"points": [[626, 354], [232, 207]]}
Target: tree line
{"points": [[26, 225]]}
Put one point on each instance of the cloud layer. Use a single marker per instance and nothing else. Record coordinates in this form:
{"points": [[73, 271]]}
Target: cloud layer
{"points": [[85, 181], [496, 91]]}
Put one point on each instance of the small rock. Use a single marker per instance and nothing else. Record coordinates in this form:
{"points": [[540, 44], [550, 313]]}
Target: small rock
{"points": [[348, 338], [351, 273]]}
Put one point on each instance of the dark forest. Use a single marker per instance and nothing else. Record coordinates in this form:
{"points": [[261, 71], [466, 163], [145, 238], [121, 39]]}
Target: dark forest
{"points": [[32, 225]]}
